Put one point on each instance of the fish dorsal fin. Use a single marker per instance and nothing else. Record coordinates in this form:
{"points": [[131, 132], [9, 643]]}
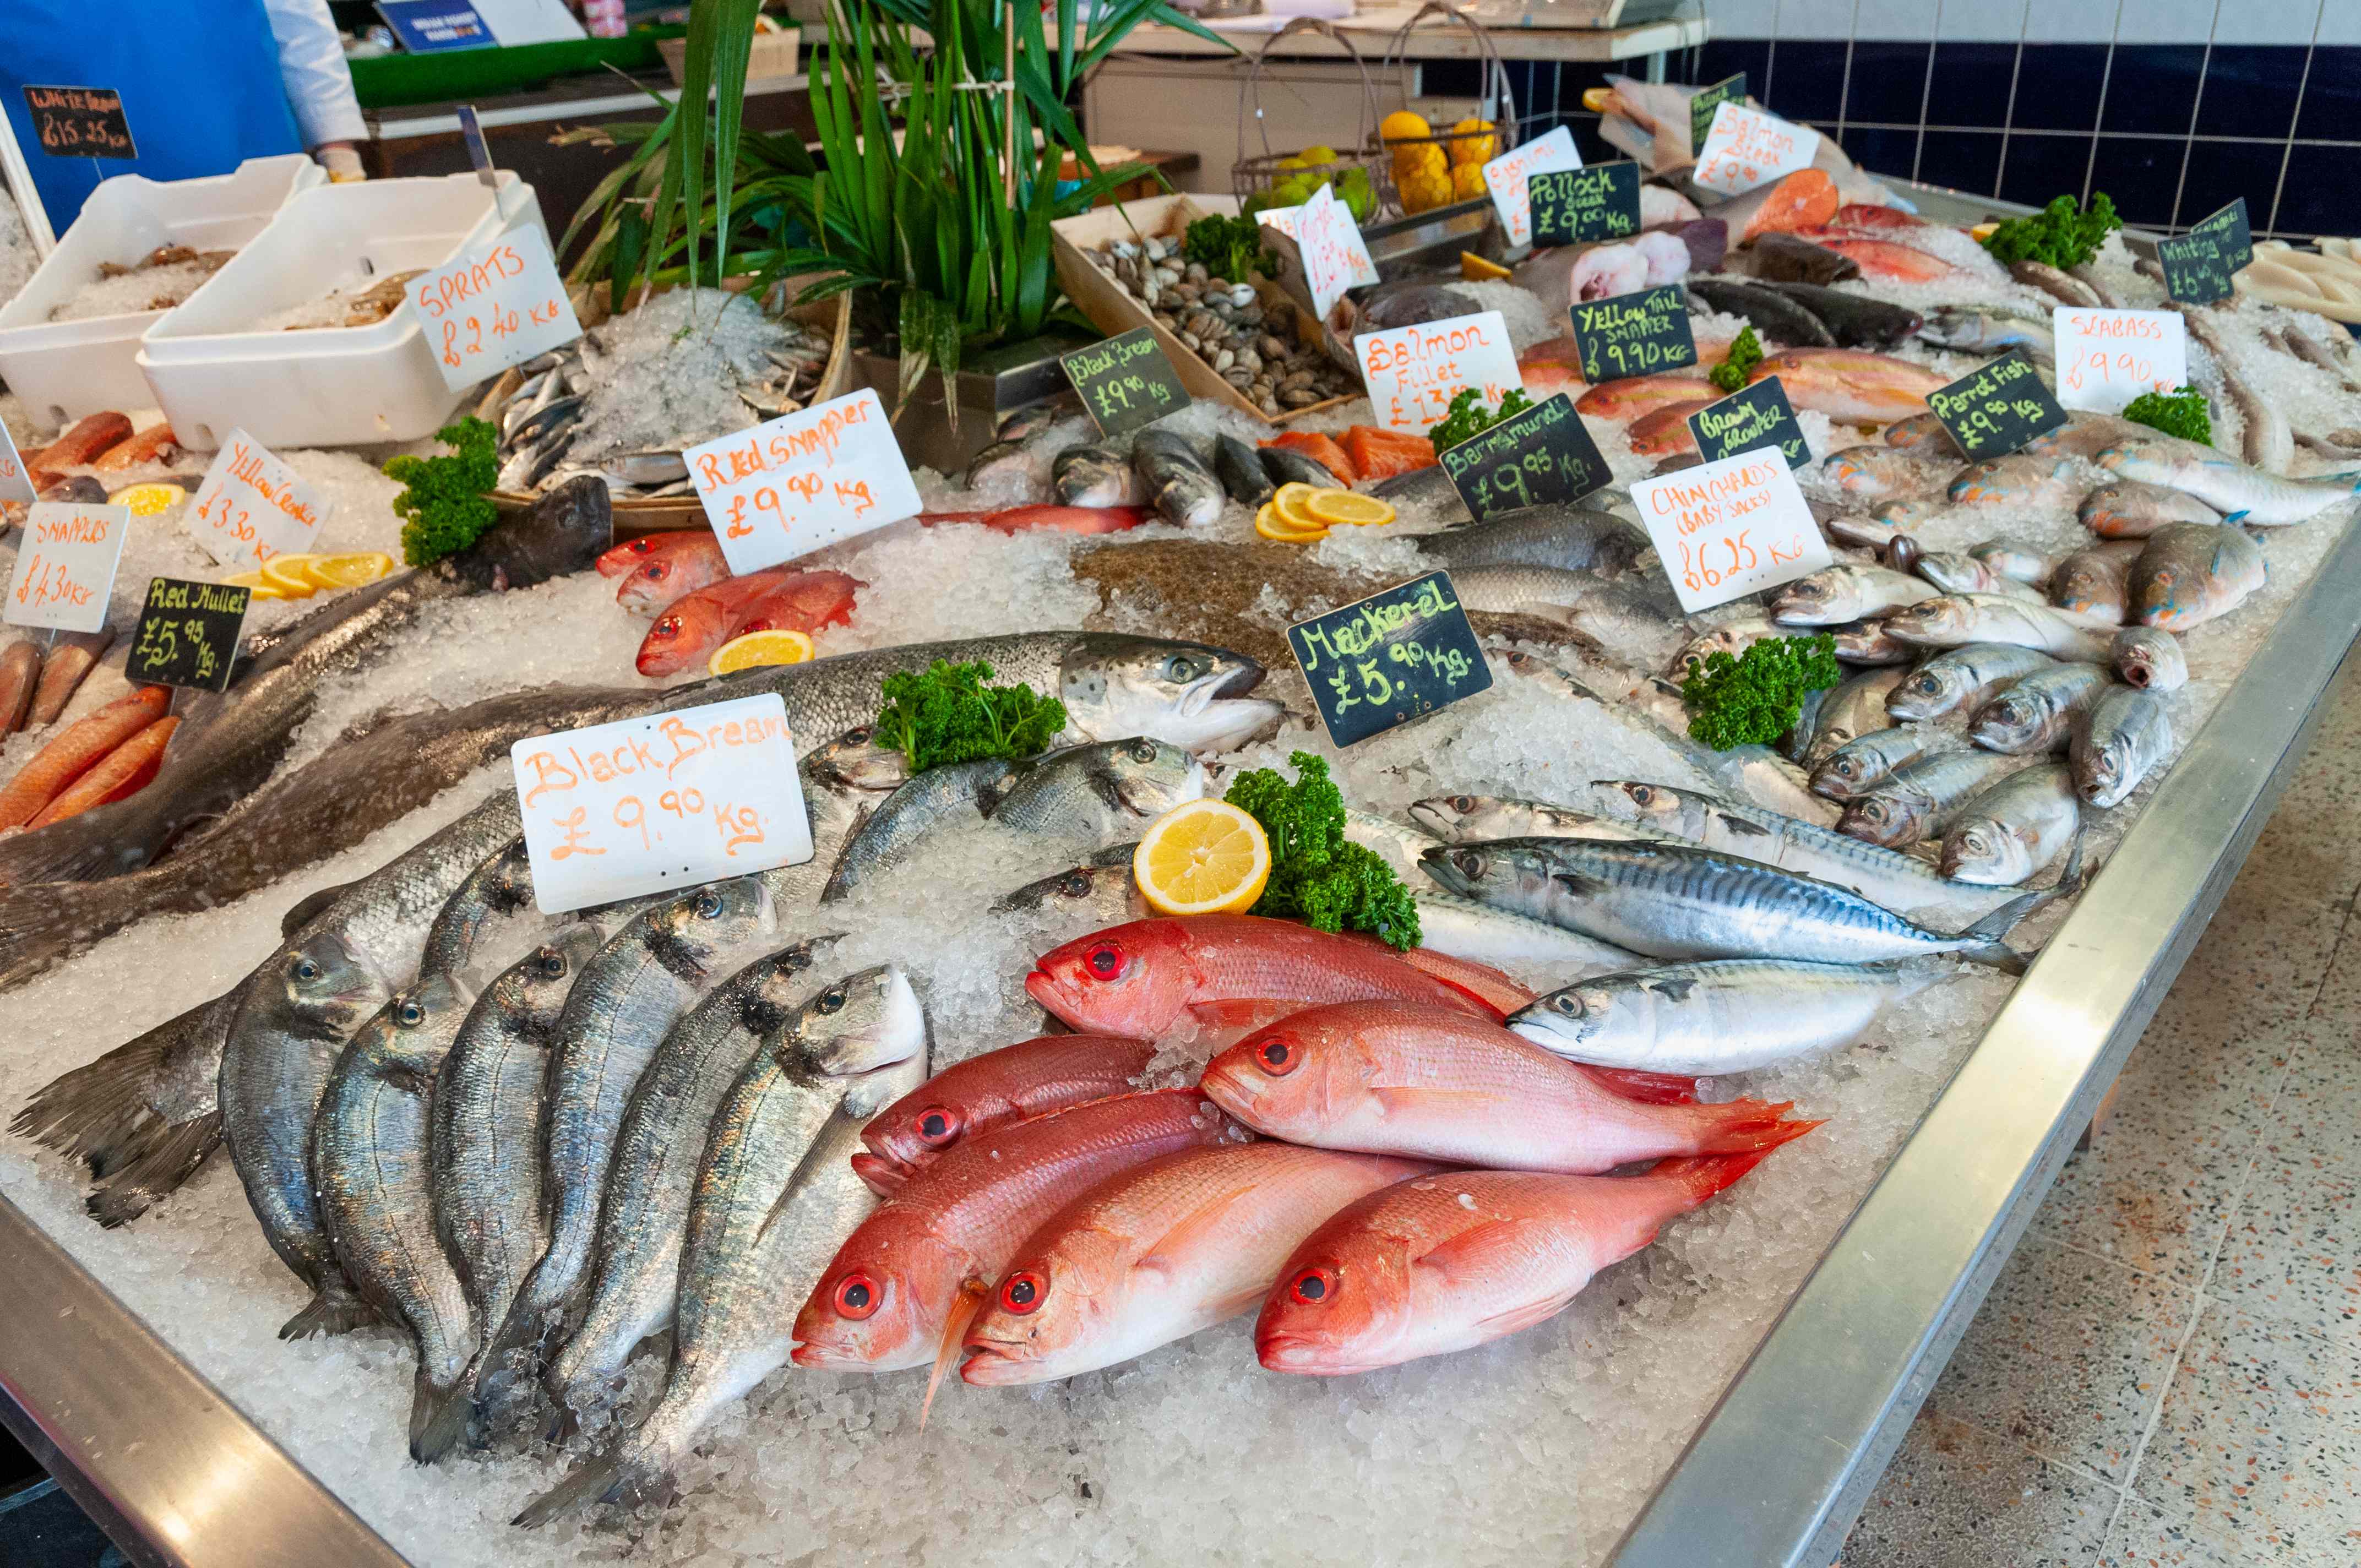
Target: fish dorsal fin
{"points": [[308, 908], [1208, 1219]]}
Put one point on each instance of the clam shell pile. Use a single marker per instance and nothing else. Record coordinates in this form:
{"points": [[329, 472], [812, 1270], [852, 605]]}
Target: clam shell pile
{"points": [[1251, 345]]}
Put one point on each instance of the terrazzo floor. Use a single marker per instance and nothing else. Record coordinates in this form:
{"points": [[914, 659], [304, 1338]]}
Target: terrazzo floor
{"points": [[2168, 1373]]}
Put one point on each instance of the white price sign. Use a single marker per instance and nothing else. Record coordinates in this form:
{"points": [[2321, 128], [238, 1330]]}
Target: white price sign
{"points": [[253, 507], [2105, 358], [1505, 177], [1747, 148], [803, 480], [1728, 529], [660, 803], [1414, 372], [497, 305], [65, 566], [1334, 259], [15, 485]]}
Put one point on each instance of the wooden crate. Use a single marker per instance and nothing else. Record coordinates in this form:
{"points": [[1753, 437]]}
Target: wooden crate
{"points": [[646, 515], [1114, 311]]}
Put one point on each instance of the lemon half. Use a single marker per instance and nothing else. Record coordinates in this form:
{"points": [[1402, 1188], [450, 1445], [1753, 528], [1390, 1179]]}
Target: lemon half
{"points": [[1206, 857]]}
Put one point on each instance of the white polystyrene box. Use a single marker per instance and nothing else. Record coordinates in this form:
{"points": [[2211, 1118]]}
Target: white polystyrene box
{"points": [[63, 370], [213, 368]]}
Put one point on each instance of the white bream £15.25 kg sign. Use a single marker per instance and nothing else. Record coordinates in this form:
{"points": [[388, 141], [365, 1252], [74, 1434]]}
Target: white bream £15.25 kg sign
{"points": [[660, 803]]}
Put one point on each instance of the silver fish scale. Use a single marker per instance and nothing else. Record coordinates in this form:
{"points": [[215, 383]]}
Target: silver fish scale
{"points": [[895, 826], [644, 1216], [1719, 1016], [1095, 795]]}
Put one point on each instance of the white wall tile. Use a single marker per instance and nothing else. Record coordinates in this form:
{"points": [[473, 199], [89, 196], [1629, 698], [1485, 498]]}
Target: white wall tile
{"points": [[1982, 21], [2175, 21], [2340, 24], [2071, 21], [1911, 19], [1815, 18], [2274, 21], [1740, 18]]}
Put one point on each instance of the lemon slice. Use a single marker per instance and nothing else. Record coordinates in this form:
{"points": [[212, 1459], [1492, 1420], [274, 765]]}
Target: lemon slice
{"points": [[347, 571], [146, 500], [1289, 504], [782, 646], [286, 574], [1474, 269], [1270, 525], [1205, 858], [262, 590], [1347, 506]]}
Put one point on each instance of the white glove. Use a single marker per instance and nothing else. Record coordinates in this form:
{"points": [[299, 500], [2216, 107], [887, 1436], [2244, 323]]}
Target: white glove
{"points": [[342, 164]]}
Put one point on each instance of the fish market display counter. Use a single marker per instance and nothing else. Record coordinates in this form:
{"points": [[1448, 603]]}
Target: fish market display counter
{"points": [[1724, 1396]]}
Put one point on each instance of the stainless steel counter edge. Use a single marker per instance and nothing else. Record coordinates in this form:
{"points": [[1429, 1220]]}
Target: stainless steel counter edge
{"points": [[166, 1464], [1779, 1469]]}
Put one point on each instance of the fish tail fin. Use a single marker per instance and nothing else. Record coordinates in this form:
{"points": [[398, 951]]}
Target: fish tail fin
{"points": [[440, 1415], [163, 1162], [964, 1307], [523, 1331], [1744, 1126], [333, 1309], [1644, 1088], [626, 1479], [1702, 1176], [1982, 942]]}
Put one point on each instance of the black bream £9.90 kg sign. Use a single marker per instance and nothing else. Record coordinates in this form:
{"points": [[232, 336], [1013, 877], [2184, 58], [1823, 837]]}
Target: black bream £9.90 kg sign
{"points": [[1392, 657], [1126, 382]]}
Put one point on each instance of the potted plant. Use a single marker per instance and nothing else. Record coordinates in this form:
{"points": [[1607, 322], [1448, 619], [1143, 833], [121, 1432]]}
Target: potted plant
{"points": [[943, 126]]}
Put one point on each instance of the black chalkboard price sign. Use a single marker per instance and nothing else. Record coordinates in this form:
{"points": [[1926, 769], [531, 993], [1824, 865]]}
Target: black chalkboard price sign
{"points": [[2229, 229], [188, 634], [1997, 407], [1126, 382], [1389, 659], [1731, 90], [2195, 271], [1634, 335], [1571, 206], [1541, 456], [79, 122], [1749, 420]]}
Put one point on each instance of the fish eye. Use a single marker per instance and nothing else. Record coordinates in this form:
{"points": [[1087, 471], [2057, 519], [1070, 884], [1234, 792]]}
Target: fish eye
{"points": [[1470, 862], [1075, 884], [1105, 961], [1640, 795], [1565, 1002], [1462, 803], [1180, 667], [829, 1000], [1022, 1291], [652, 571], [409, 1016], [306, 969], [856, 1296], [1143, 751], [708, 906], [1279, 1056], [1313, 1286], [858, 735], [668, 627], [938, 1125], [1926, 684], [553, 963]]}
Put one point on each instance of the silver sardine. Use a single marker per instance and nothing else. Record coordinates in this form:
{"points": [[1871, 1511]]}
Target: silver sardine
{"points": [[2038, 714], [1962, 679], [1720, 1017], [1922, 799], [2016, 827], [2126, 735]]}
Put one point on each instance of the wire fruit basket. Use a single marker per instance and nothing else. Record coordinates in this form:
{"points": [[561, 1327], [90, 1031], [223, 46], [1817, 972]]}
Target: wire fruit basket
{"points": [[1285, 180], [1424, 168]]}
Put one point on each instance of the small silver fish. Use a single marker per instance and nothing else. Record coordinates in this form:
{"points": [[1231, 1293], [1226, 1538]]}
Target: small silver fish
{"points": [[2126, 735], [1843, 593], [1853, 709], [2015, 829], [1103, 794], [2240, 493], [1720, 1016], [1863, 762], [2038, 713], [890, 831], [1958, 619], [2013, 560], [1731, 637], [1465, 818], [2150, 657], [1922, 799], [1962, 679], [1868, 642]]}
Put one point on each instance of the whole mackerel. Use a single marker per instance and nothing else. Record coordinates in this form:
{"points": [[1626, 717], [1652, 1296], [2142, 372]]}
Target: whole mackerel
{"points": [[1683, 902], [628, 996], [1705, 1019], [486, 1144], [775, 1197], [371, 1158], [644, 1216]]}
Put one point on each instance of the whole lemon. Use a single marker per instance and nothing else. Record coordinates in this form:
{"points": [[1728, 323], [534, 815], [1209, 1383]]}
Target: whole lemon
{"points": [[1314, 156], [1472, 142], [1401, 125], [1467, 182]]}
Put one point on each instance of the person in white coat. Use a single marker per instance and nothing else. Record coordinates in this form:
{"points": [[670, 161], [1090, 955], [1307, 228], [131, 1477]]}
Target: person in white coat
{"points": [[319, 86]]}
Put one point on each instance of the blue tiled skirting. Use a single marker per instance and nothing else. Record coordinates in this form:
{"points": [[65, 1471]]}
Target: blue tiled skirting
{"points": [[2169, 131]]}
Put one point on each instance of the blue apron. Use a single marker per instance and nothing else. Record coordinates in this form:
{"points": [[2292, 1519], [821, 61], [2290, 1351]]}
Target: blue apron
{"points": [[199, 85]]}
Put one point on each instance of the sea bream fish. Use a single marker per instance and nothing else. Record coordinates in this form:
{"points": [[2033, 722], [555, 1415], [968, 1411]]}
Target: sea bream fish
{"points": [[1424, 1082], [2191, 572], [1683, 902], [1922, 799], [2240, 493], [369, 1156], [774, 1199], [1154, 1254], [643, 1217], [1962, 679], [1885, 877], [484, 1147], [1094, 476], [1112, 684], [2038, 714], [1720, 1017], [2016, 827], [228, 742], [1176, 481], [1443, 1262]]}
